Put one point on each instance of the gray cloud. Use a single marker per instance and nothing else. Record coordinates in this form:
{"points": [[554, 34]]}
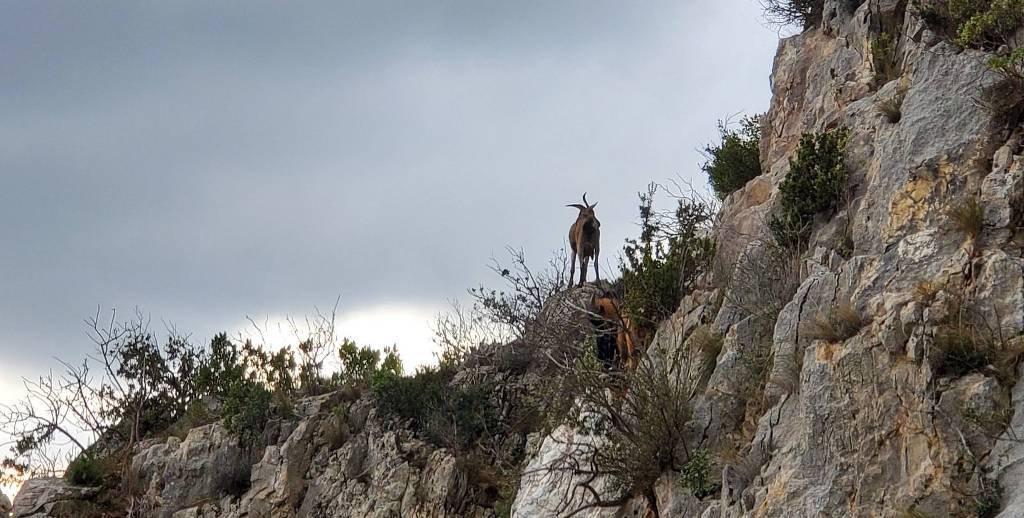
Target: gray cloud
{"points": [[205, 161]]}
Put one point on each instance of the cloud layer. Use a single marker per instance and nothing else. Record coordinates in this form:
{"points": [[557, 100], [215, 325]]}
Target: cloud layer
{"points": [[207, 161]]}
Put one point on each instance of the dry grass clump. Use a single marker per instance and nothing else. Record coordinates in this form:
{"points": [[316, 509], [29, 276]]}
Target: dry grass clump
{"points": [[968, 217], [892, 108], [708, 344], [926, 291], [838, 324], [971, 340]]}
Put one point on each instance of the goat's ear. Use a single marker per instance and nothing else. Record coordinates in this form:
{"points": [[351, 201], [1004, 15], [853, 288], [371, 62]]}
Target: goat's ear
{"points": [[576, 206]]}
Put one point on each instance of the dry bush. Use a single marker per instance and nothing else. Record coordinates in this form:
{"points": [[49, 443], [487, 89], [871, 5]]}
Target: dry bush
{"points": [[835, 325], [968, 217], [971, 338], [642, 418], [801, 13], [763, 279], [925, 292]]}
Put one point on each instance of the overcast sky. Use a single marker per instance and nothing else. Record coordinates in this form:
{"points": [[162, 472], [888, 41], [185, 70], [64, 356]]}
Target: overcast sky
{"points": [[208, 161]]}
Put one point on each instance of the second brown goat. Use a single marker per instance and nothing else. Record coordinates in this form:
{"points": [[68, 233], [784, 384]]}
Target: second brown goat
{"points": [[585, 240]]}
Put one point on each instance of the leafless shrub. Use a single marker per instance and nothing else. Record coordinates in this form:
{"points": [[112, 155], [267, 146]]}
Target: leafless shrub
{"points": [[972, 338], [763, 279], [526, 291], [317, 342], [463, 329], [802, 13], [640, 421]]}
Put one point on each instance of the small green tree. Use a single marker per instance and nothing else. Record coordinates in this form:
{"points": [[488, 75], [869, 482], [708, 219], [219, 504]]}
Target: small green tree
{"points": [[735, 160], [816, 182], [661, 266]]}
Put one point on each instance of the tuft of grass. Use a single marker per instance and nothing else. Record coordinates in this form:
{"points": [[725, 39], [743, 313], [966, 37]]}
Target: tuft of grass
{"points": [[892, 108], [968, 217], [708, 343], [967, 340], [840, 323]]}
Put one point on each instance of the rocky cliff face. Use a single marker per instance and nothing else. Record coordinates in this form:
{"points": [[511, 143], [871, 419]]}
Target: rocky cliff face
{"points": [[867, 424], [863, 423]]}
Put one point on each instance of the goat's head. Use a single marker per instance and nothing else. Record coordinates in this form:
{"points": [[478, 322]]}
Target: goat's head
{"points": [[586, 213]]}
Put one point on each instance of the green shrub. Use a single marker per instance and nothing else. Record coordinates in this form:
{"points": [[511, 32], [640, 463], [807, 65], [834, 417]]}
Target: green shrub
{"points": [[736, 159], [986, 24], [84, 471], [816, 182], [361, 365], [883, 58], [696, 475], [246, 409], [661, 267], [450, 416], [989, 500]]}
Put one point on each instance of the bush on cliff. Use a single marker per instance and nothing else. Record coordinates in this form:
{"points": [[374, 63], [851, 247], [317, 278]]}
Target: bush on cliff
{"points": [[662, 265], [734, 161], [447, 414], [816, 183], [802, 13], [84, 471]]}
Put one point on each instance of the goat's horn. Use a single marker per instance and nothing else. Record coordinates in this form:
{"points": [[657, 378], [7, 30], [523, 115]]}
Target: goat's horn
{"points": [[585, 199]]}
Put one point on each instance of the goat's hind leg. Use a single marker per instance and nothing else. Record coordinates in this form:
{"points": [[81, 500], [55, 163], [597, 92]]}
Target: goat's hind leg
{"points": [[572, 268]]}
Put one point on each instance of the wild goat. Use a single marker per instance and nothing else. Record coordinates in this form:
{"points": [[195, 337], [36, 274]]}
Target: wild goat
{"points": [[585, 240], [616, 340]]}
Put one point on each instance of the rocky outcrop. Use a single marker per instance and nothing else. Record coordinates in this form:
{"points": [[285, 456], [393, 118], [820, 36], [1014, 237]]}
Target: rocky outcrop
{"points": [[49, 497], [335, 458], [866, 424]]}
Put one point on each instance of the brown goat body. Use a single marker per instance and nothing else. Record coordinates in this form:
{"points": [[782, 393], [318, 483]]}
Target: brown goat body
{"points": [[585, 240], [616, 338]]}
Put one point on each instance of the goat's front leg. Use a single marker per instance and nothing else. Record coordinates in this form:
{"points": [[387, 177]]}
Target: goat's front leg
{"points": [[572, 268], [597, 274], [584, 260]]}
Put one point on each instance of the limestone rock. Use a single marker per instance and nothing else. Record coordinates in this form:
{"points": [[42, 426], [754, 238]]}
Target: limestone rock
{"points": [[180, 473], [51, 497]]}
